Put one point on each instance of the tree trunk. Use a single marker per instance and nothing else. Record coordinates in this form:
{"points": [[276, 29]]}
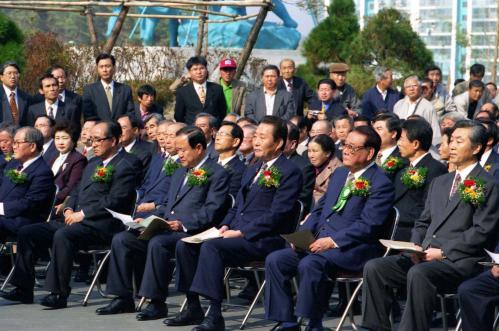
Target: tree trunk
{"points": [[115, 33], [91, 29], [199, 46]]}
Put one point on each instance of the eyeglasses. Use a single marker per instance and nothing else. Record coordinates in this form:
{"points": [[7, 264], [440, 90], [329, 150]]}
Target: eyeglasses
{"points": [[17, 143], [98, 140], [353, 149], [223, 134]]}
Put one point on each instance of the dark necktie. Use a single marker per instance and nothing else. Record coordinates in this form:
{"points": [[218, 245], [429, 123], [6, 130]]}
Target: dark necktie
{"points": [[455, 185], [19, 167], [51, 112], [13, 108]]}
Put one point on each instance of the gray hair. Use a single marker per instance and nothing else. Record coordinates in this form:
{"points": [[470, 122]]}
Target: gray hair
{"points": [[234, 114], [453, 116], [156, 116], [287, 60], [328, 124], [212, 121], [32, 136], [379, 73], [9, 129], [413, 77], [478, 135], [251, 127]]}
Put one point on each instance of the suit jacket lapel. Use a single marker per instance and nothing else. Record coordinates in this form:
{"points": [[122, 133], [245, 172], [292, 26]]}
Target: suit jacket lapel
{"points": [[116, 96], [60, 112], [22, 106], [335, 193], [177, 186], [277, 102], [103, 96], [9, 185]]}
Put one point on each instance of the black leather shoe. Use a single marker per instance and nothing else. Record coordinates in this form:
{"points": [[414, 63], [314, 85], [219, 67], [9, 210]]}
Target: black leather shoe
{"points": [[186, 317], [18, 295], [211, 323], [153, 311], [55, 301], [279, 327], [117, 306]]}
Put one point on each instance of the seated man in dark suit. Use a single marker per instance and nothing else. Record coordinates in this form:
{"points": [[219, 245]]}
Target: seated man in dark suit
{"points": [[458, 222], [490, 158], [326, 106], [295, 85], [193, 205], [410, 194], [146, 94], [46, 125], [7, 132], [381, 96], [347, 227], [27, 187], [387, 125], [14, 102], [132, 144], [251, 229], [199, 96], [108, 181], [208, 124], [154, 190], [269, 100], [51, 106], [228, 139], [106, 99]]}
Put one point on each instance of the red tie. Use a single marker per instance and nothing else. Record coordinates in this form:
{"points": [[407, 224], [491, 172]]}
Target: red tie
{"points": [[13, 107]]}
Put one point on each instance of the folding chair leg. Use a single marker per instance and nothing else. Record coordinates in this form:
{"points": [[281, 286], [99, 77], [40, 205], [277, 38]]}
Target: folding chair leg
{"points": [[444, 313], [7, 279], [95, 279], [184, 303], [227, 285], [255, 300], [141, 303], [348, 308]]}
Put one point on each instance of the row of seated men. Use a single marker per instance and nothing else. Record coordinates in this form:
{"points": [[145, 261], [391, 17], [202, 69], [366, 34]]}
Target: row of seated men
{"points": [[454, 228]]}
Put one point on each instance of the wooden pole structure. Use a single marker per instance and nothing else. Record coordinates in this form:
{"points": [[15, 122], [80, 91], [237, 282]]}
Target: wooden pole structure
{"points": [[199, 45], [91, 29], [115, 33], [252, 37], [496, 48], [205, 36]]}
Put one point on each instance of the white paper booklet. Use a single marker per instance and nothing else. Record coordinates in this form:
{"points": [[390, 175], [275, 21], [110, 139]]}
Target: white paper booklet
{"points": [[199, 238]]}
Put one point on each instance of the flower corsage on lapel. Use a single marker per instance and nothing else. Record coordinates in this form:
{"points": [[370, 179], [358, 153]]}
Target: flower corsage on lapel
{"points": [[16, 176], [103, 174], [169, 167], [358, 187], [270, 177], [472, 190], [392, 164], [414, 177], [7, 157], [197, 177]]}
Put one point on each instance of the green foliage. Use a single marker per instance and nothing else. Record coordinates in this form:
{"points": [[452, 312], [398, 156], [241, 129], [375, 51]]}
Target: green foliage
{"points": [[11, 41], [388, 40], [330, 40]]}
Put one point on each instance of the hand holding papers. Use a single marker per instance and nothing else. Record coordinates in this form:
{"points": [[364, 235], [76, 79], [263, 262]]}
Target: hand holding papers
{"points": [[494, 257], [403, 246], [300, 240], [149, 226], [199, 238]]}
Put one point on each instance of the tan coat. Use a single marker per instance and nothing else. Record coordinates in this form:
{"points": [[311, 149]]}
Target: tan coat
{"points": [[322, 179]]}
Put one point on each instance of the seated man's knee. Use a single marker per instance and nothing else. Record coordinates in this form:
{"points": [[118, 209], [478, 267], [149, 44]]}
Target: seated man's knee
{"points": [[310, 262]]}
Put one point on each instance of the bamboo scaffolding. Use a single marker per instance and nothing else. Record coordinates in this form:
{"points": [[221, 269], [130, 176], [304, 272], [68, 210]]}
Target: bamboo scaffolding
{"points": [[242, 3]]}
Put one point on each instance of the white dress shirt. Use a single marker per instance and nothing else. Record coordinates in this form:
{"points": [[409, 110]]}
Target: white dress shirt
{"points": [[386, 153], [59, 161], [129, 147], [224, 162], [383, 93], [269, 101], [485, 156], [54, 106], [105, 85]]}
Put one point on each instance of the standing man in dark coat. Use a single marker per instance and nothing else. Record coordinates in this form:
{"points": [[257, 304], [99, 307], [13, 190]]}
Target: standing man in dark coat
{"points": [[452, 231], [410, 195], [108, 181], [14, 102], [302, 93], [106, 99], [199, 96], [381, 96]]}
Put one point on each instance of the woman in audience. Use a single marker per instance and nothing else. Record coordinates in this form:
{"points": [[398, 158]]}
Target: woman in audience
{"points": [[7, 132], [443, 149], [321, 155], [68, 165]]}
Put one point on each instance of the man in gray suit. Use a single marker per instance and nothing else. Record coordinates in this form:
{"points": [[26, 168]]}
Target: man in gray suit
{"points": [[452, 233], [269, 100]]}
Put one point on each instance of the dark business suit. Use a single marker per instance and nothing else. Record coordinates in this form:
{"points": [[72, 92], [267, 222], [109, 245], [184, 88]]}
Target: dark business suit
{"points": [[355, 229], [308, 174], [67, 112], [492, 164], [70, 97], [3, 164], [461, 230], [410, 202], [197, 207], [69, 174], [155, 109], [155, 186], [23, 103], [51, 153], [96, 107], [301, 93], [188, 105], [25, 203], [235, 169], [333, 109], [256, 109], [211, 151], [98, 226], [34, 240], [143, 151], [260, 213]]}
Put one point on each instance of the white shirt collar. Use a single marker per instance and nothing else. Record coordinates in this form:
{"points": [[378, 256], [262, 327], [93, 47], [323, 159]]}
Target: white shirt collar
{"points": [[416, 161], [54, 106], [304, 143], [197, 85], [485, 156], [104, 84], [225, 161], [30, 161], [47, 145], [8, 91], [386, 153], [109, 159], [129, 147], [271, 162], [265, 91], [360, 172], [200, 164], [63, 95], [464, 173], [413, 102], [383, 93]]}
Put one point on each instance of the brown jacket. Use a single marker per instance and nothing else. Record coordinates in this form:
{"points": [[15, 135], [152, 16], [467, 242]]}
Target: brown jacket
{"points": [[322, 179]]}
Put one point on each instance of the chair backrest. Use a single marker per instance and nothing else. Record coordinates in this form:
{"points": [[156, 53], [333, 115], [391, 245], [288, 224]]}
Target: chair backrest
{"points": [[137, 196], [233, 200], [53, 203], [391, 226], [298, 210]]}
